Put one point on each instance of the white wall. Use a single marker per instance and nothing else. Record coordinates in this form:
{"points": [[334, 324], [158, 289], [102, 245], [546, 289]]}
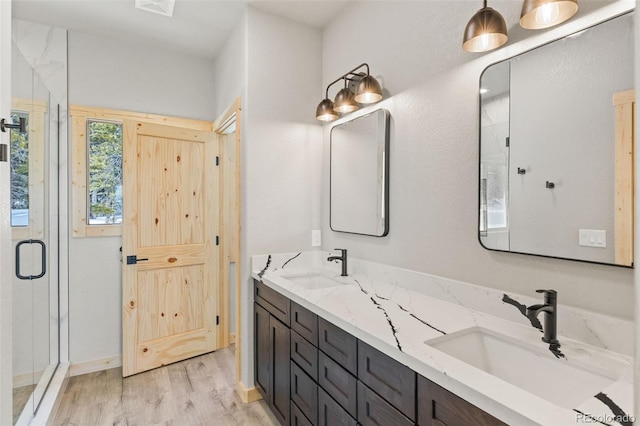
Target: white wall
{"points": [[432, 87], [230, 68], [281, 148], [110, 74]]}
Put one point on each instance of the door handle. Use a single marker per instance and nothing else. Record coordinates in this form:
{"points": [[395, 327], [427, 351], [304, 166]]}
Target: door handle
{"points": [[44, 260], [132, 260]]}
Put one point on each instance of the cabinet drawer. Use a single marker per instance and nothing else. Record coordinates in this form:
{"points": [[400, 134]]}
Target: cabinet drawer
{"points": [[339, 345], [297, 418], [304, 322], [304, 354], [439, 407], [338, 383], [373, 410], [389, 378], [330, 413], [274, 302], [304, 392]]}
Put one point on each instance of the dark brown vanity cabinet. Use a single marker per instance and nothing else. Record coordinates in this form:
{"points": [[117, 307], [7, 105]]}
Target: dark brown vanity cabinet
{"points": [[439, 407], [312, 372], [272, 345]]}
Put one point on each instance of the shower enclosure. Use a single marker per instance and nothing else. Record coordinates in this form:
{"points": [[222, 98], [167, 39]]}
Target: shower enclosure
{"points": [[34, 222]]}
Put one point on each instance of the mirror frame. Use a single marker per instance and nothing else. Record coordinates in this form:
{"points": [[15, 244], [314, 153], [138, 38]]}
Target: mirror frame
{"points": [[479, 175], [385, 171]]}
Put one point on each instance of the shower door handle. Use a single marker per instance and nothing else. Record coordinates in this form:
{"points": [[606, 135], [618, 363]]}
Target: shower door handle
{"points": [[44, 260]]}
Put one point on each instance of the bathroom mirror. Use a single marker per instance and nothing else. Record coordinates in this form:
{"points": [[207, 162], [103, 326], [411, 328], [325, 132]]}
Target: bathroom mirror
{"points": [[360, 175], [556, 148]]}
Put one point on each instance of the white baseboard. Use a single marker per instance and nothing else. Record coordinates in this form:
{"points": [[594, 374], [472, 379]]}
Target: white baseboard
{"points": [[26, 379], [95, 365]]}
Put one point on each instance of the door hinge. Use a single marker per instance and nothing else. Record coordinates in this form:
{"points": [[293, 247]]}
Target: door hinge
{"points": [[217, 160], [508, 141], [217, 240], [4, 153], [132, 260], [217, 320]]}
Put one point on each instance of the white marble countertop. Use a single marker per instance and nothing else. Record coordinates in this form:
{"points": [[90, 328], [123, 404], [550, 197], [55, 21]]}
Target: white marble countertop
{"points": [[397, 321]]}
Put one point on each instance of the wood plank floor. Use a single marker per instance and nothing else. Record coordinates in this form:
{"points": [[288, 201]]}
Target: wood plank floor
{"points": [[198, 391]]}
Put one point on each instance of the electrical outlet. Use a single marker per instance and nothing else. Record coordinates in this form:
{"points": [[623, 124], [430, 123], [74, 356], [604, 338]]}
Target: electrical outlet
{"points": [[316, 238]]}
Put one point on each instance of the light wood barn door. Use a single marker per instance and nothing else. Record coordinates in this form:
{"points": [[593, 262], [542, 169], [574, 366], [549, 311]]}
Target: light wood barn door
{"points": [[171, 220]]}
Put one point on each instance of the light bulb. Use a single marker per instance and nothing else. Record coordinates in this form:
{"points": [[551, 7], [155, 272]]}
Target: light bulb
{"points": [[547, 13], [327, 117], [368, 98], [484, 42]]}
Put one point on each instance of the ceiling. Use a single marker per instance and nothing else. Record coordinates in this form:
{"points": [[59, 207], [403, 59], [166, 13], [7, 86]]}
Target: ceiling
{"points": [[198, 27]]}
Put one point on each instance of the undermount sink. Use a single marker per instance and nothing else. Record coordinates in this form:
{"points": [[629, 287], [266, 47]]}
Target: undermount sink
{"points": [[526, 366], [313, 281]]}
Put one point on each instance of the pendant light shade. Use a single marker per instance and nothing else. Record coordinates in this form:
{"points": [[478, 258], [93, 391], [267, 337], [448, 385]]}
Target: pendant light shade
{"points": [[486, 30], [325, 112], [345, 101], [368, 90], [538, 14]]}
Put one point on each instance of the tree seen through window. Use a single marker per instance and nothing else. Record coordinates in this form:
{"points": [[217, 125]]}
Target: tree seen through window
{"points": [[105, 172]]}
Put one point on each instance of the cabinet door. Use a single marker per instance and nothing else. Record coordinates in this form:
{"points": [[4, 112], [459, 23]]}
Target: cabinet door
{"points": [[279, 392], [439, 407], [262, 337]]}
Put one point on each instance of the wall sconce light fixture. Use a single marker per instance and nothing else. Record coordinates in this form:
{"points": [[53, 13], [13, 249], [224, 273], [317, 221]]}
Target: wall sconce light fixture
{"points": [[359, 88], [487, 30]]}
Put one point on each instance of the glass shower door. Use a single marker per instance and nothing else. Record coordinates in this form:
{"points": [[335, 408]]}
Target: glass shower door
{"points": [[34, 194]]}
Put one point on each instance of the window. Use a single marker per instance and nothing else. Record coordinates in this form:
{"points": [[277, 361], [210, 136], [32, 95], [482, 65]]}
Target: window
{"points": [[97, 159], [19, 173], [105, 172]]}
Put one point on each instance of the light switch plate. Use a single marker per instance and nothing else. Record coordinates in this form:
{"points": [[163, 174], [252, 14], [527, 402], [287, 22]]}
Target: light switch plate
{"points": [[593, 238], [316, 238]]}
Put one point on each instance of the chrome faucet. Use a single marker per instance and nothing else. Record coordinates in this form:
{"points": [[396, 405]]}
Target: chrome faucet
{"points": [[342, 258], [551, 318]]}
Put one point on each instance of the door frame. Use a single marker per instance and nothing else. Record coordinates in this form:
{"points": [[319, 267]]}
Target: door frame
{"points": [[231, 246]]}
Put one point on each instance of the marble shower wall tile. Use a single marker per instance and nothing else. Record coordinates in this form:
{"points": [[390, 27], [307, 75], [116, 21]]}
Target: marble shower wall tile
{"points": [[45, 48]]}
